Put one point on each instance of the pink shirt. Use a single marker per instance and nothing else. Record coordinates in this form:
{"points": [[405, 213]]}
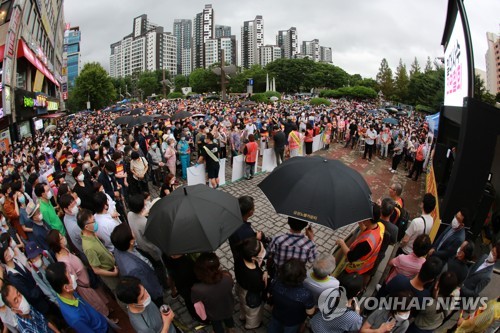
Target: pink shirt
{"points": [[406, 264]]}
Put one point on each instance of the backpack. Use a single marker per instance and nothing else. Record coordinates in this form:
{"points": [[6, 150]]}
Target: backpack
{"points": [[401, 218]]}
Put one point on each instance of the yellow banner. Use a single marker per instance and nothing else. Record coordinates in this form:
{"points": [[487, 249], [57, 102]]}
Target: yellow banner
{"points": [[431, 187], [38, 81]]}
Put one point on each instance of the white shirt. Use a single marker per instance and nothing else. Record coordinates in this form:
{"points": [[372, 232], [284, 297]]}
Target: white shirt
{"points": [[74, 231], [416, 228], [317, 287], [371, 135], [484, 265], [106, 225]]}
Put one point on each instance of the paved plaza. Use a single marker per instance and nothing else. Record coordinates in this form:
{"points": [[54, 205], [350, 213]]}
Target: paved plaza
{"points": [[265, 218]]}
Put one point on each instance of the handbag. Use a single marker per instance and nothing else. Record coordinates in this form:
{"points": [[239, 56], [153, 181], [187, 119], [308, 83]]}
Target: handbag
{"points": [[253, 299]]}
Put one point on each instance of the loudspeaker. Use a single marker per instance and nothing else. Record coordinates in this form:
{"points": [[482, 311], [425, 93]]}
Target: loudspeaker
{"points": [[482, 210]]}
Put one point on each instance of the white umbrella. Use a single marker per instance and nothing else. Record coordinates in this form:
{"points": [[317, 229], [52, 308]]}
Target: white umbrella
{"points": [[273, 98], [50, 128]]}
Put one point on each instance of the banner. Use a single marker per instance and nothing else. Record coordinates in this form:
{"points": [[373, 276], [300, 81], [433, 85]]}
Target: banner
{"points": [[5, 140], [317, 143], [196, 174], [431, 187], [238, 168], [37, 86], [269, 160]]}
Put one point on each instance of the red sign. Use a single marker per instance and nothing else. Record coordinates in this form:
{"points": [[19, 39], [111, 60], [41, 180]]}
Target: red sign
{"points": [[30, 56]]}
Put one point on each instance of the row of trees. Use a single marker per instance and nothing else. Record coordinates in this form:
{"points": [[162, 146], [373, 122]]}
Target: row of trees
{"points": [[414, 86]]}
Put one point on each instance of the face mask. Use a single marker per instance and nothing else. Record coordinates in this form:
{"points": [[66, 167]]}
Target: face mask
{"points": [[70, 160], [2, 200], [38, 263], [154, 146], [136, 147], [111, 173], [74, 284], [74, 211], [80, 178], [49, 195], [183, 138], [12, 244], [96, 227], [9, 255], [78, 202], [24, 306], [490, 258], [70, 169], [22, 200], [3, 221], [402, 316], [455, 224], [146, 302]]}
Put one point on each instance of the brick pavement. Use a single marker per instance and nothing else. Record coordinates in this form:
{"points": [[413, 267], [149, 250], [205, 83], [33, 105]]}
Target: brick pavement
{"points": [[267, 220]]}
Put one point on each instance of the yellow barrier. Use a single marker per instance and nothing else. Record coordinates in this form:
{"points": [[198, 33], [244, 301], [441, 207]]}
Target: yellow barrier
{"points": [[431, 187]]}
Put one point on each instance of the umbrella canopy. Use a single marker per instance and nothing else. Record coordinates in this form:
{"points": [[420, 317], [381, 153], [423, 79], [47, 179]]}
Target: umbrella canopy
{"points": [[243, 109], [180, 115], [318, 190], [132, 121], [199, 115], [138, 111], [212, 97], [246, 103], [402, 113], [392, 121], [273, 98], [374, 112], [162, 116], [391, 110], [193, 219]]}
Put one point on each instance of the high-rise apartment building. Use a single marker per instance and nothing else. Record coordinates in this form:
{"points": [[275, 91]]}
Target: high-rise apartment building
{"points": [[252, 37], [183, 30], [288, 41], [325, 54], [72, 59], [31, 56], [213, 49], [203, 29], [311, 49], [222, 31], [269, 53], [147, 48], [493, 63]]}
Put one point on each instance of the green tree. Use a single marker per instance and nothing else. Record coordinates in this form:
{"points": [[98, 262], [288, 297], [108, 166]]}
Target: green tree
{"points": [[203, 80], [370, 83], [401, 83], [428, 65], [95, 85], [180, 81], [149, 84], [427, 89], [481, 93], [415, 68], [385, 80]]}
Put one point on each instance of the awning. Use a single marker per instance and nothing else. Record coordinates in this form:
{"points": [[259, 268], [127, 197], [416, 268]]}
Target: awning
{"points": [[24, 51], [53, 115]]}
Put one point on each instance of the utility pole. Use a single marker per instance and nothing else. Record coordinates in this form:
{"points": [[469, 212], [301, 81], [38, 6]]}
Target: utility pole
{"points": [[222, 76], [164, 85]]}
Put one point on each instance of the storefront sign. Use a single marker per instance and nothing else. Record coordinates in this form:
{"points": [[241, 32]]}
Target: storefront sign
{"points": [[5, 140], [40, 102], [6, 100]]}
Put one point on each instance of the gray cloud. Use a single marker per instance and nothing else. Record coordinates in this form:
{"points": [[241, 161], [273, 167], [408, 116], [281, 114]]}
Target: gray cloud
{"points": [[360, 33]]}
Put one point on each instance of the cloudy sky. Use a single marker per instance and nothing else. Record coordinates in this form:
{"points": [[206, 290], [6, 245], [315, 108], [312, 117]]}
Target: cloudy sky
{"points": [[360, 33]]}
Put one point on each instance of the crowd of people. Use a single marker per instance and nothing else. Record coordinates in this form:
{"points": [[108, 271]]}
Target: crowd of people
{"points": [[74, 203]]}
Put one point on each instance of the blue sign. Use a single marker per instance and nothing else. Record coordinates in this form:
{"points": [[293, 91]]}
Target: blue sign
{"points": [[250, 82]]}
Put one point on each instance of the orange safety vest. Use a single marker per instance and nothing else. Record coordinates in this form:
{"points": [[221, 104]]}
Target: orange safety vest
{"points": [[420, 153], [366, 263], [251, 155]]}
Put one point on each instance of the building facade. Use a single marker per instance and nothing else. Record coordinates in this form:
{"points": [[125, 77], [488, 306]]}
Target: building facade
{"points": [[493, 63], [72, 58], [203, 29], [222, 31], [311, 49], [252, 38], [147, 48], [288, 41], [213, 49], [31, 52], [325, 54], [269, 53], [183, 30]]}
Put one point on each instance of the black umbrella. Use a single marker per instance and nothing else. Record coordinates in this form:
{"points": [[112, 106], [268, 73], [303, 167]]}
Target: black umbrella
{"points": [[212, 97], [138, 111], [161, 116], [243, 108], [248, 103], [132, 121], [193, 219], [180, 115], [318, 190]]}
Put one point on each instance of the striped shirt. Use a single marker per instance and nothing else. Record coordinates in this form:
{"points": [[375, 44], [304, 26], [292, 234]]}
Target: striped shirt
{"points": [[349, 321], [289, 246], [35, 324]]}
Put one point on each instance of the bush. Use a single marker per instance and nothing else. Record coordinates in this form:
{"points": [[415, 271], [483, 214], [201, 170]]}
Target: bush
{"points": [[259, 98], [270, 94], [175, 95], [425, 108], [319, 101]]}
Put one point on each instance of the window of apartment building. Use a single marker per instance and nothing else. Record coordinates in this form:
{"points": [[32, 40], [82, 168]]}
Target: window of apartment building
{"points": [[27, 12], [5, 12]]}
